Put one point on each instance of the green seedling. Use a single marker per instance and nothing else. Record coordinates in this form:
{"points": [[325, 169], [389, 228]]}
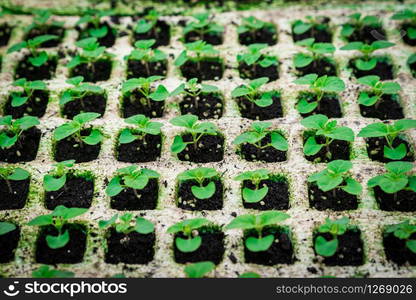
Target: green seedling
{"points": [[300, 27], [123, 224], [203, 26], [46, 271], [258, 131], [258, 223], [336, 176], [58, 219], [259, 192], [146, 54], [13, 174], [191, 241], [319, 86], [201, 176], [197, 131], [395, 179], [404, 231], [143, 127], [29, 87], [390, 132], [378, 89], [144, 86], [410, 16], [367, 62], [36, 58], [93, 17], [336, 228], [75, 127], [252, 93], [252, 24], [147, 23], [78, 91], [328, 129], [316, 52], [199, 269], [91, 53], [6, 227], [130, 177], [56, 181], [194, 89], [14, 128], [254, 56], [358, 22], [196, 52], [41, 20]]}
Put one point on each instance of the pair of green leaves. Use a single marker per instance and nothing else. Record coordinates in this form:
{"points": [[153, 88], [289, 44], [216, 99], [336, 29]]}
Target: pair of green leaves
{"points": [[147, 23], [143, 126], [336, 227], [378, 89], [130, 177], [334, 175], [198, 49], [145, 52], [123, 224], [404, 231], [91, 52], [357, 22], [199, 269], [143, 85], [258, 193], [19, 98], [79, 90], [203, 25], [252, 93], [192, 242], [193, 88], [15, 174], [316, 50], [14, 128], [409, 15], [396, 178], [201, 175], [251, 24], [57, 180], [258, 222], [255, 56]]}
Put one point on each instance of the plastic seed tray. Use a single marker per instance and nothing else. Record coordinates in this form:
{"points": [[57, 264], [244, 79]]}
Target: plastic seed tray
{"points": [[304, 219]]}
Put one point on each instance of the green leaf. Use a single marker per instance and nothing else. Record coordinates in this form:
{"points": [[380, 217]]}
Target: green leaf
{"points": [[339, 166], [68, 213], [399, 167], [204, 192], [84, 118], [353, 187], [307, 79], [144, 226], [188, 245], [374, 130], [249, 275], [41, 220], [305, 107], [411, 245], [315, 121], [65, 131], [27, 122], [366, 100], [52, 183], [366, 65], [242, 222], [271, 218], [254, 196], [19, 174], [324, 247], [278, 141], [181, 59], [59, 241], [302, 60], [396, 153], [311, 147], [256, 83], [18, 100], [301, 27], [259, 244], [6, 227], [198, 270], [370, 80], [93, 138], [47, 272], [186, 121], [240, 91], [75, 80], [178, 144], [114, 187], [342, 133], [126, 136], [160, 94], [39, 60], [104, 224], [265, 100], [17, 47]]}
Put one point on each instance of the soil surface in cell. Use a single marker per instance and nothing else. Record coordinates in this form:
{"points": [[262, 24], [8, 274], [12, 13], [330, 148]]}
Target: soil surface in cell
{"points": [[25, 149], [336, 199], [34, 106], [15, 196], [205, 106], [277, 197], [8, 244], [143, 199], [400, 201], [252, 111], [250, 152], [397, 251], [89, 103], [375, 149], [186, 200], [139, 150], [210, 148]]}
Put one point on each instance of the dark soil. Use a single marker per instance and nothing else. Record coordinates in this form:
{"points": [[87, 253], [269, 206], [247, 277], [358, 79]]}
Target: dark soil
{"points": [[108, 40], [210, 38], [350, 249], [406, 38], [256, 71], [26, 70], [135, 103], [383, 69], [277, 197], [72, 253], [337, 150], [266, 35], [160, 32], [205, 106], [251, 111], [280, 252], [139, 150], [211, 249], [69, 148], [137, 68], [5, 32], [210, 149], [147, 198], [25, 149], [8, 244], [320, 33], [397, 251], [328, 106], [321, 67], [365, 35], [269, 154], [49, 29], [375, 149], [35, 106], [336, 199], [133, 248], [186, 200], [77, 192], [98, 71], [208, 69], [388, 108], [17, 198], [89, 103], [400, 201]]}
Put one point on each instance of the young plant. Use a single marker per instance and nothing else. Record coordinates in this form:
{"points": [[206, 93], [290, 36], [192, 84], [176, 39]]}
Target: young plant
{"points": [[335, 228], [144, 86], [196, 52], [46, 271], [319, 86], [252, 93], [410, 16], [316, 52], [357, 23], [6, 227], [147, 23], [143, 126], [378, 89], [37, 58], [390, 132], [203, 26], [58, 219], [404, 231], [130, 177], [78, 91], [201, 176], [14, 174], [314, 23], [199, 269], [367, 62], [190, 242], [254, 57], [146, 54], [75, 128], [258, 131], [29, 87], [258, 193], [91, 53], [123, 224], [55, 182], [336, 176], [14, 128], [258, 223], [93, 17], [252, 24], [41, 21], [197, 131], [328, 129], [194, 89], [395, 179]]}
